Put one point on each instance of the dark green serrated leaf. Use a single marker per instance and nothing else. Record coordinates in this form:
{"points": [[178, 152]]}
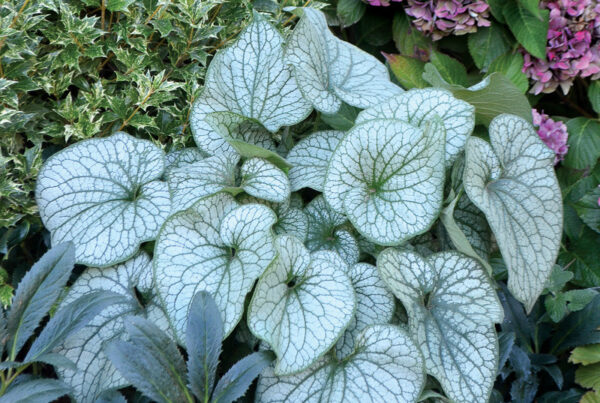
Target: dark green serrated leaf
{"points": [[487, 44], [579, 328], [528, 28], [594, 95], [584, 143], [350, 11], [450, 69], [588, 208], [409, 41], [408, 70], [510, 64]]}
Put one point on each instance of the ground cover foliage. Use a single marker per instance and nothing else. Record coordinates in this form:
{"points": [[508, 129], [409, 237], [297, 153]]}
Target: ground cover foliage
{"points": [[226, 179]]}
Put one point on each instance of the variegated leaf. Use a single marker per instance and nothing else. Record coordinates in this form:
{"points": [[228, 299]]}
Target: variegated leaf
{"points": [[329, 70], [301, 304], [513, 182], [216, 246], [452, 308], [387, 176], [386, 366], [105, 196], [248, 79]]}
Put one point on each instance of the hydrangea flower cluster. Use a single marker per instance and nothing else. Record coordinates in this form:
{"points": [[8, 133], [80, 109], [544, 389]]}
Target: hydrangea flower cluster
{"points": [[553, 134], [573, 47], [439, 18]]}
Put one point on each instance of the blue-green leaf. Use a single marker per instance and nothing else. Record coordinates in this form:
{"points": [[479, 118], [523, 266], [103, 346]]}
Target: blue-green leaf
{"points": [[204, 334], [36, 293]]}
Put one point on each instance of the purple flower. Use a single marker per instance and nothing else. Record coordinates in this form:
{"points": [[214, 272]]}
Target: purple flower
{"points": [[382, 3], [553, 134], [573, 47], [439, 18]]}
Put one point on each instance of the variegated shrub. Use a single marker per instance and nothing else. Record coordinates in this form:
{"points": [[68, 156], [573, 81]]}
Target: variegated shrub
{"points": [[312, 237]]}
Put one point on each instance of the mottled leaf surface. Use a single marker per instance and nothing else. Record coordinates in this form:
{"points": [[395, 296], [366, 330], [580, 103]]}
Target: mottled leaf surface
{"points": [[387, 176], [216, 246], [420, 106], [191, 182], [375, 305], [513, 182], [386, 366], [326, 231], [301, 304], [95, 373], [105, 196], [329, 70], [249, 79], [452, 308], [310, 157], [262, 179]]}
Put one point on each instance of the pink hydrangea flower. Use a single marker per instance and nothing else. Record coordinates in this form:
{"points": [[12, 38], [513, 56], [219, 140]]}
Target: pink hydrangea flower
{"points": [[439, 18], [382, 3], [553, 134], [573, 47]]}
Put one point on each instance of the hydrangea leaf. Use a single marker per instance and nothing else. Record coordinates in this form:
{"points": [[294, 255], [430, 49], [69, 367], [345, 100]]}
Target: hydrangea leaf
{"points": [[387, 176], [248, 79], [329, 70], [310, 157], [452, 308], [326, 231], [386, 366], [95, 373], [375, 305], [216, 246], [264, 180], [105, 196], [419, 106], [301, 304], [512, 181], [191, 182]]}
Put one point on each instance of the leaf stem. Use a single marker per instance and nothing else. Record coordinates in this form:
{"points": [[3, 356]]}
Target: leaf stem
{"points": [[102, 13], [294, 15]]}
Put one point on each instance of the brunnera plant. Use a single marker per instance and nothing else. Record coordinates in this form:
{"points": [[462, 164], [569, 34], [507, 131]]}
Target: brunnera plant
{"points": [[409, 199]]}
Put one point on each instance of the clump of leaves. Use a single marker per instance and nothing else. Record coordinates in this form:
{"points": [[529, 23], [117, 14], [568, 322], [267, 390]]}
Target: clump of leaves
{"points": [[153, 364], [588, 374], [35, 296], [231, 214]]}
